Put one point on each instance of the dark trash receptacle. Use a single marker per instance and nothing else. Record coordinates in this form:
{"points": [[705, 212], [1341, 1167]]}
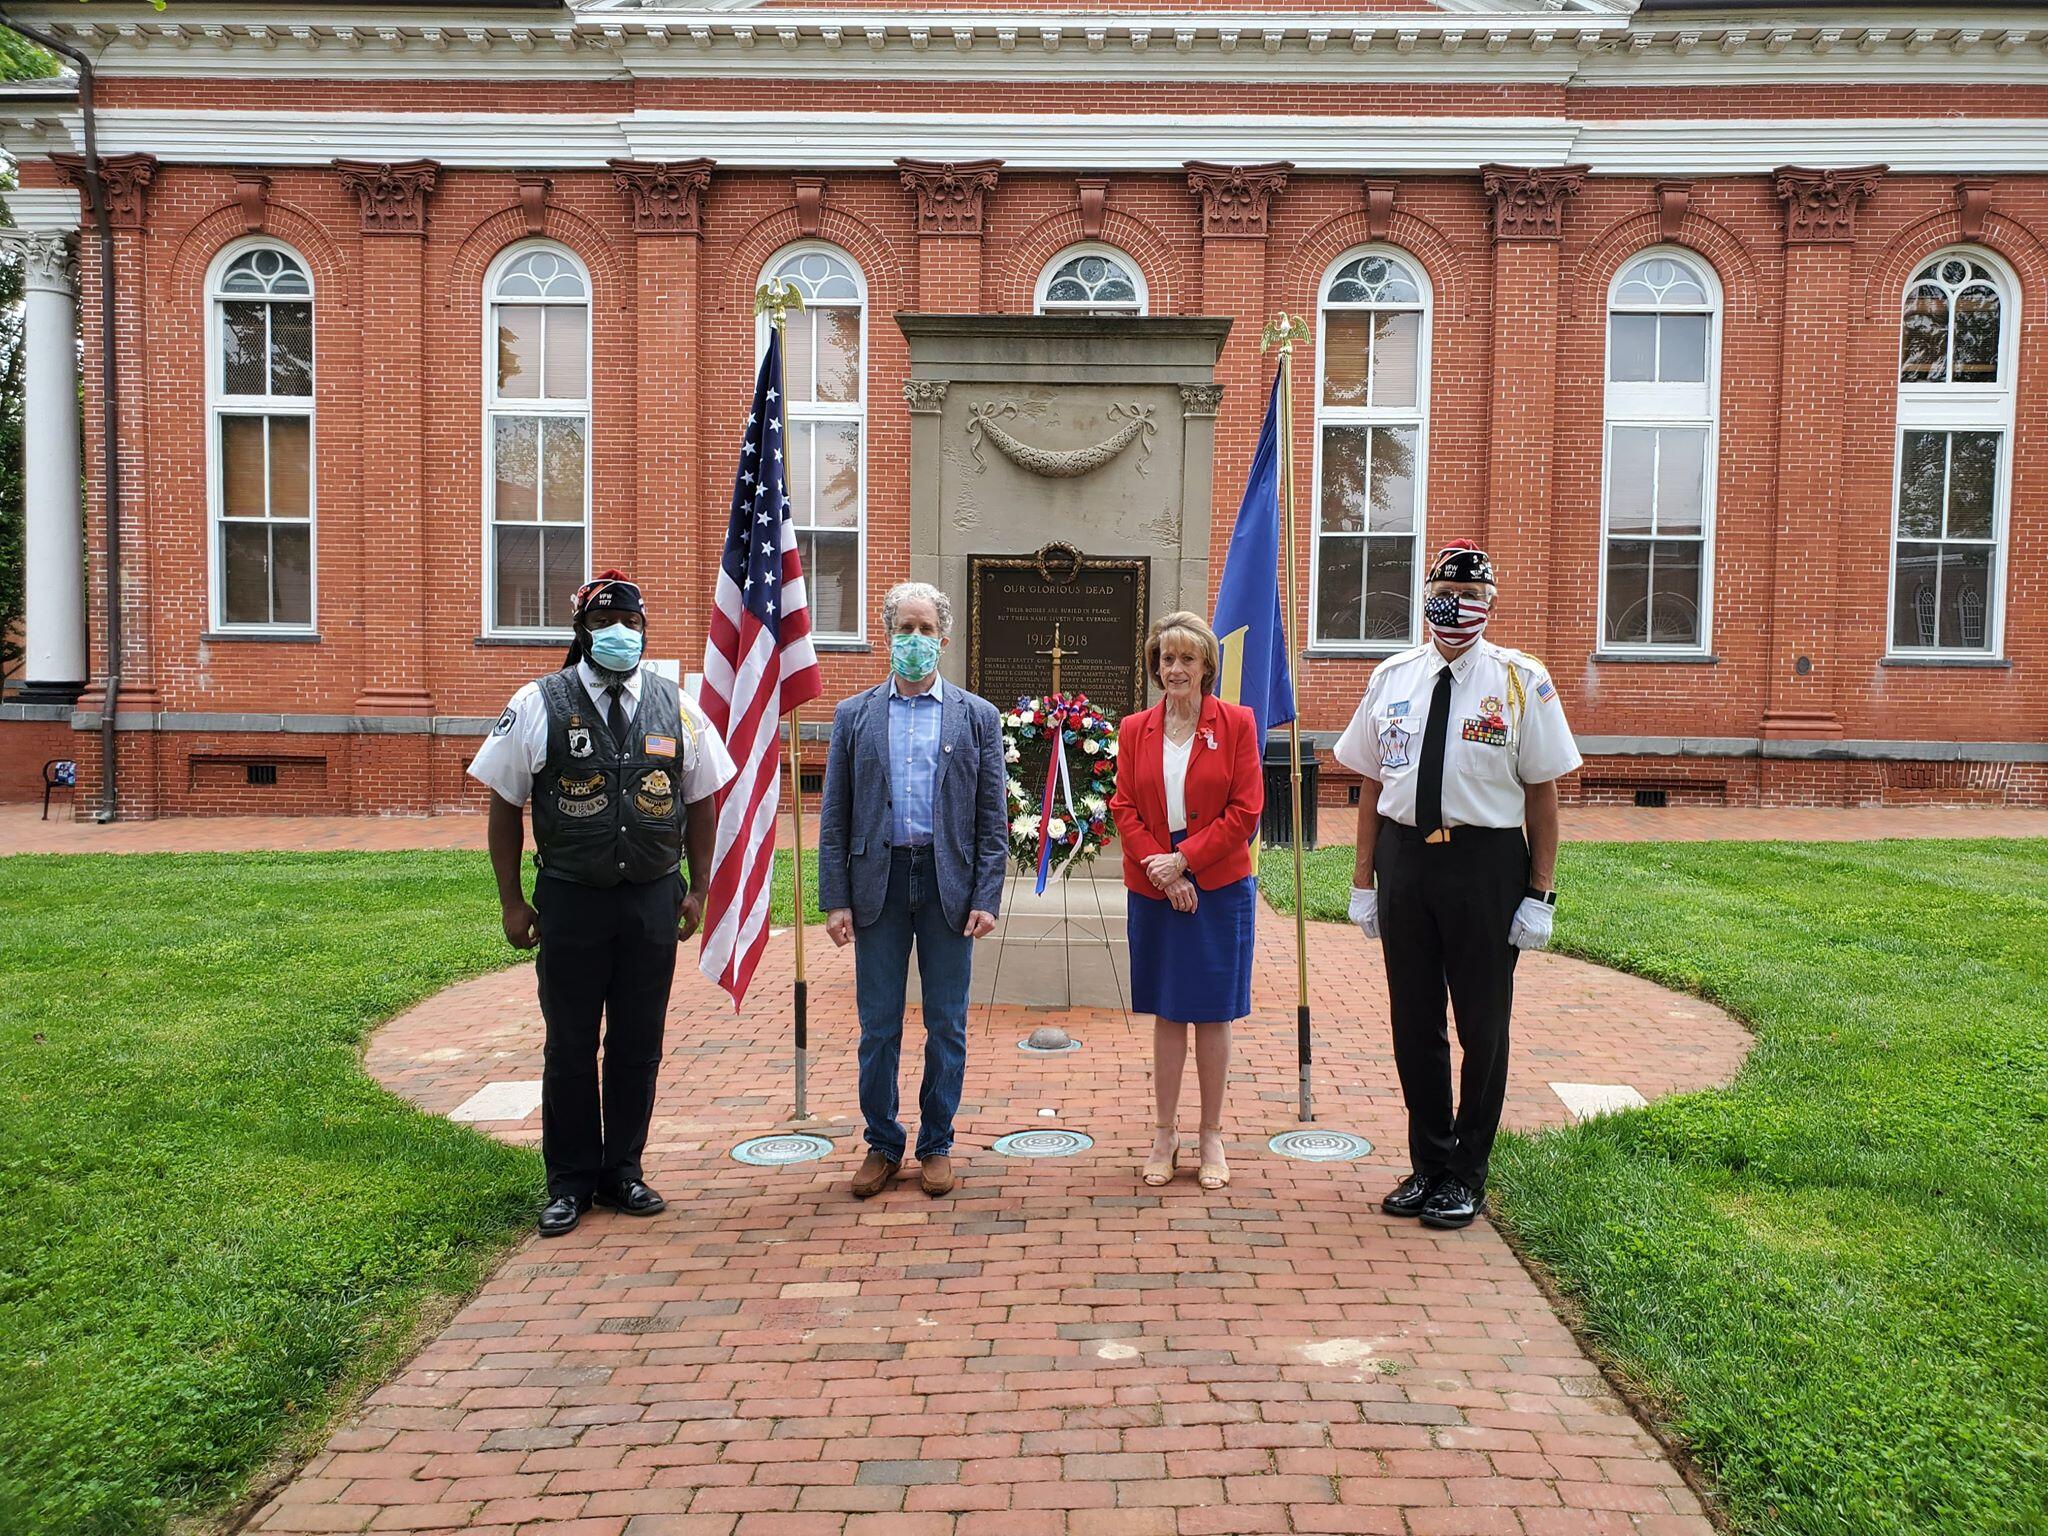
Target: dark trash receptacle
{"points": [[1276, 826]]}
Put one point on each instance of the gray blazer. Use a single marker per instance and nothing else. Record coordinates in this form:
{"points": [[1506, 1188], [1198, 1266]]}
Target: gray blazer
{"points": [[970, 842]]}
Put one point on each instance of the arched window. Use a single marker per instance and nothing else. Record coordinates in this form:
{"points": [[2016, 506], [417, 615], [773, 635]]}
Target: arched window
{"points": [[1372, 431], [536, 437], [1662, 399], [1954, 456], [1090, 280], [824, 369], [260, 438]]}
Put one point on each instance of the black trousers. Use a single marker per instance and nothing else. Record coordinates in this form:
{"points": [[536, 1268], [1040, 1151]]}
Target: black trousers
{"points": [[1444, 910], [605, 952]]}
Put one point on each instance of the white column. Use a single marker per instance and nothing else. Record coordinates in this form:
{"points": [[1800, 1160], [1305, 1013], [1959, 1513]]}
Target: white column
{"points": [[54, 558]]}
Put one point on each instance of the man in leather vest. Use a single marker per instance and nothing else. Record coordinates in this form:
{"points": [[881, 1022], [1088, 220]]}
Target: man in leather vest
{"points": [[620, 769]]}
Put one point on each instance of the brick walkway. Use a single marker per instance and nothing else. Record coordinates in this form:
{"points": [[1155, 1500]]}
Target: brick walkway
{"points": [[22, 832], [1054, 1351]]}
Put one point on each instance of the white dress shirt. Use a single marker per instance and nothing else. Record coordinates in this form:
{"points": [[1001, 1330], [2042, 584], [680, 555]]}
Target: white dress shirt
{"points": [[517, 748], [1175, 758], [1506, 730]]}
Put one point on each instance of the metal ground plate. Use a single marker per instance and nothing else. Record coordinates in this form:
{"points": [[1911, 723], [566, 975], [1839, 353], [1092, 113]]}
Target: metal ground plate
{"points": [[781, 1149], [1048, 1050], [1045, 1143], [1314, 1145]]}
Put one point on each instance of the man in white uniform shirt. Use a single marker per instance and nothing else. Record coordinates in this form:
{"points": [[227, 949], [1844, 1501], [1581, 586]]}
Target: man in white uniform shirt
{"points": [[620, 769], [1461, 743]]}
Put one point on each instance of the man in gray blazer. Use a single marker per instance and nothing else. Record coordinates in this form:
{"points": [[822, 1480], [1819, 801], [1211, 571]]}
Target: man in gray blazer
{"points": [[912, 843]]}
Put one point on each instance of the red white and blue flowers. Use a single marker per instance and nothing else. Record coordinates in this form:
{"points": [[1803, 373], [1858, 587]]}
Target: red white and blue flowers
{"points": [[1060, 753]]}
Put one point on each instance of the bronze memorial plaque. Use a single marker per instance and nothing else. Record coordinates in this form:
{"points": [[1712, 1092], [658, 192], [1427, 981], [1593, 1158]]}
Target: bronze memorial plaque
{"points": [[1023, 608]]}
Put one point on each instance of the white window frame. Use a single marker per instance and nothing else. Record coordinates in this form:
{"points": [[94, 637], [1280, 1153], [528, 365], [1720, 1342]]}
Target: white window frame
{"points": [[855, 411], [493, 407], [1123, 259], [219, 403], [1352, 415], [1947, 407], [1663, 405]]}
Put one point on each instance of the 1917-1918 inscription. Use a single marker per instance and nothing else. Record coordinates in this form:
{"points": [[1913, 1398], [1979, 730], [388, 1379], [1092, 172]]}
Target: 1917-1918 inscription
{"points": [[1098, 606]]}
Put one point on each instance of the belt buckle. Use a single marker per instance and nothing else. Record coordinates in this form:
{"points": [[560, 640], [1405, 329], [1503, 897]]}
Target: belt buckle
{"points": [[1440, 835]]}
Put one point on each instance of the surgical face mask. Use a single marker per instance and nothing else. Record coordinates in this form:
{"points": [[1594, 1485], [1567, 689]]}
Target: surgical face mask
{"points": [[616, 648], [912, 657], [1455, 619]]}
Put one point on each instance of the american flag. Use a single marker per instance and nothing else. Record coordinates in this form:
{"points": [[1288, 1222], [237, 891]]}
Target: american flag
{"points": [[758, 665]]}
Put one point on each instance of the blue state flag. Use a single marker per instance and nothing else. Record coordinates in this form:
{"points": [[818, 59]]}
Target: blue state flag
{"points": [[1254, 671]]}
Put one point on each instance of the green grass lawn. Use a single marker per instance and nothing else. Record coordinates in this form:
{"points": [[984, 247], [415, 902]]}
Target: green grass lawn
{"points": [[213, 1222], [1831, 1278]]}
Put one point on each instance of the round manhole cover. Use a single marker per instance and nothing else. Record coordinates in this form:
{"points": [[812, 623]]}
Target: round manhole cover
{"points": [[1316, 1146], [775, 1151], [1047, 1143], [1048, 1050]]}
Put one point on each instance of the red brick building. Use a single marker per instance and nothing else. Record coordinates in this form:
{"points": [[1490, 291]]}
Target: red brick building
{"points": [[1726, 331]]}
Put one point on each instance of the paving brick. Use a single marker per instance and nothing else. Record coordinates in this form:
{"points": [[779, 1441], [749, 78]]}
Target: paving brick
{"points": [[1068, 1356]]}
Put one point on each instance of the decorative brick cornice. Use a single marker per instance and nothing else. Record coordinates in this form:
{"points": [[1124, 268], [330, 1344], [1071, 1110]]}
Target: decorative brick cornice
{"points": [[1973, 202], [949, 193], [1235, 197], [1528, 201], [393, 196], [125, 177], [1673, 198], [533, 199], [252, 191], [667, 196], [1820, 205], [1092, 193], [808, 193]]}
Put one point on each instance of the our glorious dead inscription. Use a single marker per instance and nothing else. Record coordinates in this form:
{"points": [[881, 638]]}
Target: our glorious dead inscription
{"points": [[1092, 609]]}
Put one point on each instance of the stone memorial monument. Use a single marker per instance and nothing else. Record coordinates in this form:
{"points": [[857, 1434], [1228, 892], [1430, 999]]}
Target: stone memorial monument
{"points": [[1060, 485]]}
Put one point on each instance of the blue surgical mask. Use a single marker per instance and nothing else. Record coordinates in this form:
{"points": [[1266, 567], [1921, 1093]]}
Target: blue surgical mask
{"points": [[912, 657], [616, 648]]}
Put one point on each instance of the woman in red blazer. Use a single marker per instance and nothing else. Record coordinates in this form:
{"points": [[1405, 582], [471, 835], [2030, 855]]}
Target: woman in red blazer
{"points": [[1189, 789]]}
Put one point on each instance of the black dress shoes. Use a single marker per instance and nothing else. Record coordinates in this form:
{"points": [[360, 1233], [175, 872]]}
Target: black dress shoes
{"points": [[560, 1215], [1452, 1205], [632, 1197], [1409, 1196]]}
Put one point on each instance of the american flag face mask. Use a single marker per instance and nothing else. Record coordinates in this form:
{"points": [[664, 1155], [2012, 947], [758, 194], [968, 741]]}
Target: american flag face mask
{"points": [[1455, 619]]}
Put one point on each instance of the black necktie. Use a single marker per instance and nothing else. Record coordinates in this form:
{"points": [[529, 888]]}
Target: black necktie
{"points": [[615, 717], [1429, 788]]}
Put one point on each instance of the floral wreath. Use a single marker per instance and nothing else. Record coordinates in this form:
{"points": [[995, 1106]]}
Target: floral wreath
{"points": [[1090, 743]]}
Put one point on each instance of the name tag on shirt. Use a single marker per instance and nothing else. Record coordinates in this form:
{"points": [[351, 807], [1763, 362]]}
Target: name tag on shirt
{"points": [[661, 746]]}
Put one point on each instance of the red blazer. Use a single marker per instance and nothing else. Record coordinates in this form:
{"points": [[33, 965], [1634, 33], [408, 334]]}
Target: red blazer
{"points": [[1224, 792]]}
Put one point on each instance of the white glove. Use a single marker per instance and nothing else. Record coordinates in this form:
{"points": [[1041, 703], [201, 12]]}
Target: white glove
{"points": [[1365, 910], [1531, 927]]}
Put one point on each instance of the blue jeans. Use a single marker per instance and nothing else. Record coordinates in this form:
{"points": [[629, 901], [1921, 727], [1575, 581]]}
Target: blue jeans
{"points": [[881, 968]]}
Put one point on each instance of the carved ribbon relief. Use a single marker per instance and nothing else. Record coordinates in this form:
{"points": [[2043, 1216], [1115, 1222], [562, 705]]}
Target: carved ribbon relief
{"points": [[1054, 463]]}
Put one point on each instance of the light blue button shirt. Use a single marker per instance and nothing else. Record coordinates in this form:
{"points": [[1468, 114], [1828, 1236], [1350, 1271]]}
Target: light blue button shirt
{"points": [[913, 761]]}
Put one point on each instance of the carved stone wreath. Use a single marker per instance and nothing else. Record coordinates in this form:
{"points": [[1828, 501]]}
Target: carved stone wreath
{"points": [[1054, 463]]}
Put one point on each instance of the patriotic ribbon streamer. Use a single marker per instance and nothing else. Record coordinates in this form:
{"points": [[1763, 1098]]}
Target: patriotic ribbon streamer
{"points": [[1055, 774]]}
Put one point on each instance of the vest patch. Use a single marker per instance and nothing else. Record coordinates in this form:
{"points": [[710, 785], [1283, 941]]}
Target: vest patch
{"points": [[589, 786], [580, 808], [661, 746], [579, 741]]}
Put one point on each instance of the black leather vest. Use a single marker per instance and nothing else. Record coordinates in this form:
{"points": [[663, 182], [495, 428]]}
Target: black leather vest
{"points": [[607, 811]]}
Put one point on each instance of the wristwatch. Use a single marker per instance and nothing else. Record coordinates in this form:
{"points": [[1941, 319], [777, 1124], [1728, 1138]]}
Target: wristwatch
{"points": [[1548, 898]]}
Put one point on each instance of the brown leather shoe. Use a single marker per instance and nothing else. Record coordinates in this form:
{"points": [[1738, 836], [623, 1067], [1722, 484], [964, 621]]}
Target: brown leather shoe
{"points": [[874, 1175], [936, 1174]]}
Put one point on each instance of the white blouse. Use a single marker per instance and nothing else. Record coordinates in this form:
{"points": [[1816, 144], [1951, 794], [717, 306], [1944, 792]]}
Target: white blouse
{"points": [[1176, 762]]}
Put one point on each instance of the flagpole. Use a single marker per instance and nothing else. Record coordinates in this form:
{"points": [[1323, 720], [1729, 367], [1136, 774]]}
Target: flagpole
{"points": [[1284, 331], [774, 298]]}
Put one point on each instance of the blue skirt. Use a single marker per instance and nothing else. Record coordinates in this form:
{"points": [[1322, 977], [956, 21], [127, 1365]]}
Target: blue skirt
{"points": [[1193, 967]]}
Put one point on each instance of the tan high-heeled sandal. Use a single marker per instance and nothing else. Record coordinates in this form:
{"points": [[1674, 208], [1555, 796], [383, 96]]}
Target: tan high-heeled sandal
{"points": [[1159, 1175], [1213, 1176]]}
